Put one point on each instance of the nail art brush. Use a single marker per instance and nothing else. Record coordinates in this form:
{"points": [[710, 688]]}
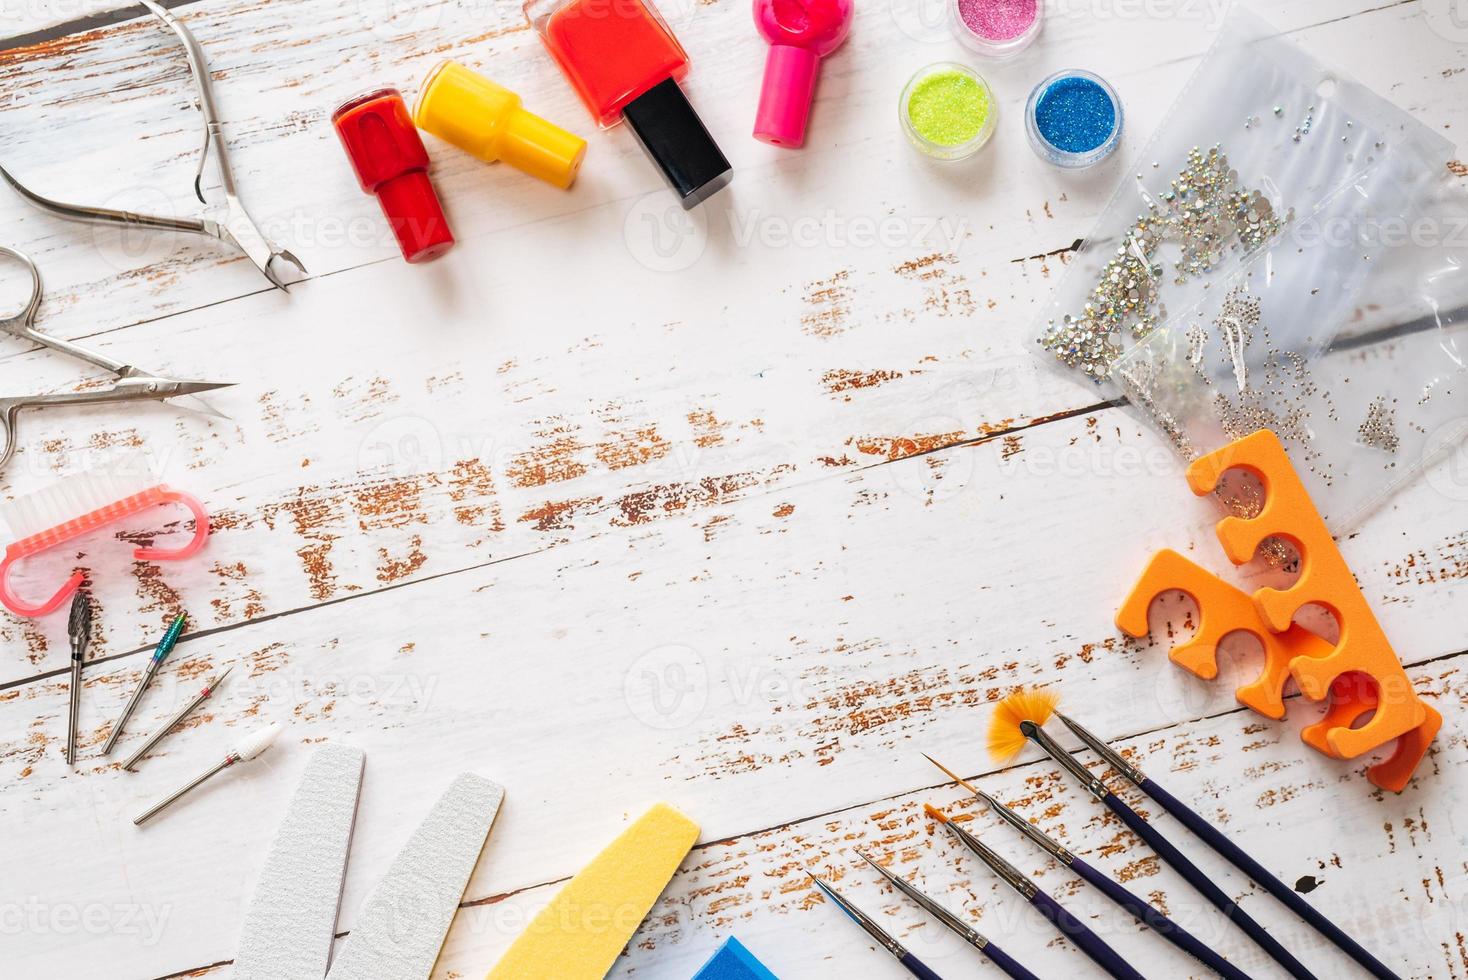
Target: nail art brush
{"points": [[208, 690], [1234, 854], [164, 648], [1018, 719], [997, 956], [1072, 928], [911, 963], [244, 750], [79, 627], [1136, 907]]}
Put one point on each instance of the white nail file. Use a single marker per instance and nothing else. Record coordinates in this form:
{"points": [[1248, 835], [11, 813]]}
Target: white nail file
{"points": [[289, 926], [402, 925]]}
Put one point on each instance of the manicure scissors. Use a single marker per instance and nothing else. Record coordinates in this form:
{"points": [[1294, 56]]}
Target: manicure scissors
{"points": [[132, 384], [234, 227]]}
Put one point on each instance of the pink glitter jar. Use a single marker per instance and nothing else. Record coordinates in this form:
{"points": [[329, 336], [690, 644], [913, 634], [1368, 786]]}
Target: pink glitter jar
{"points": [[996, 28]]}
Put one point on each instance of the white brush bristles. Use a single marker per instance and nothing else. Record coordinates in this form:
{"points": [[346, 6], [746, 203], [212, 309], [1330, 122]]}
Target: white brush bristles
{"points": [[257, 741], [81, 493]]}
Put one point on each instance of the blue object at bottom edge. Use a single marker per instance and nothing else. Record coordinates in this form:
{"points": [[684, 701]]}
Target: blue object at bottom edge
{"points": [[733, 962]]}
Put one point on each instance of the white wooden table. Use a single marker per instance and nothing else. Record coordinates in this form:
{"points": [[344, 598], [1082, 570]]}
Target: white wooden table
{"points": [[742, 515]]}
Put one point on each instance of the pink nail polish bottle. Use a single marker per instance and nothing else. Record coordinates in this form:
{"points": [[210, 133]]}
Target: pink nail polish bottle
{"points": [[801, 33]]}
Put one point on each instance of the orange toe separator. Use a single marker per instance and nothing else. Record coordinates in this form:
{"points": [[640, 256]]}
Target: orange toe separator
{"points": [[1325, 579]]}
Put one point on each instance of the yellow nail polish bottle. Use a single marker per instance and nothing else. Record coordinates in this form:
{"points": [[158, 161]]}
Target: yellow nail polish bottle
{"points": [[466, 109]]}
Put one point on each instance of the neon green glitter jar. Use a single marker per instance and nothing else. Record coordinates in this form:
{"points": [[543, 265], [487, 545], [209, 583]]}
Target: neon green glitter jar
{"points": [[947, 111]]}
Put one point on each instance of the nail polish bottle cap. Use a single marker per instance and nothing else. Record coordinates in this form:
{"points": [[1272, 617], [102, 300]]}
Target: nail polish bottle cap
{"points": [[676, 140], [390, 162], [468, 110]]}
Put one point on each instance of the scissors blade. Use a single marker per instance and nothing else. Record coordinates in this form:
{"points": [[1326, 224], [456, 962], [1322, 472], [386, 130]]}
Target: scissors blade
{"points": [[198, 406], [181, 388]]}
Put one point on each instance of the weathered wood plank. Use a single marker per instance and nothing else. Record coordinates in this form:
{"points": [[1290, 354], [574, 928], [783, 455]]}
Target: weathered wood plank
{"points": [[512, 421], [783, 658]]}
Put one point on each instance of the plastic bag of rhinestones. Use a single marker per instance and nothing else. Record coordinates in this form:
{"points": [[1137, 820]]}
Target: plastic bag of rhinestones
{"points": [[1384, 396], [1262, 140]]}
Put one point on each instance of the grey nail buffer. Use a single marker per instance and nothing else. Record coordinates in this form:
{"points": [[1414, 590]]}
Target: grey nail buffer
{"points": [[402, 925], [289, 926]]}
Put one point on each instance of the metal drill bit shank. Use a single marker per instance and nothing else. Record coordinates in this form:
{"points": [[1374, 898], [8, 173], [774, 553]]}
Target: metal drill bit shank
{"points": [[167, 726], [189, 787], [164, 648]]}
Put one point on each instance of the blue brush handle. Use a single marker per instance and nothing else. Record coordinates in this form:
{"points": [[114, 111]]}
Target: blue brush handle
{"points": [[1090, 943], [1158, 923], [1007, 964], [1227, 849], [916, 968], [1205, 886]]}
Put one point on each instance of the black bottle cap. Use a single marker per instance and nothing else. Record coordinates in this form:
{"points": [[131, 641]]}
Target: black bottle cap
{"points": [[676, 140]]}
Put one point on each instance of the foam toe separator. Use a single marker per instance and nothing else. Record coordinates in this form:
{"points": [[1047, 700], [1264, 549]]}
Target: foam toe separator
{"points": [[583, 930]]}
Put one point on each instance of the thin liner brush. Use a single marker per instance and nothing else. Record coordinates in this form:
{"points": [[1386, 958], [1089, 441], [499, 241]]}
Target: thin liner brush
{"points": [[1072, 928], [1009, 966], [1136, 907], [1017, 711], [1234, 854], [912, 964]]}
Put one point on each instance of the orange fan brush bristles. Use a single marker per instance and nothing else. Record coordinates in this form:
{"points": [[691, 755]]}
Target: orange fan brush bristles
{"points": [[1006, 738]]}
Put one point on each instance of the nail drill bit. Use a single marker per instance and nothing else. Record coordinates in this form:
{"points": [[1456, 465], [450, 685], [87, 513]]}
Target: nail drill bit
{"points": [[164, 648], [208, 690], [244, 750], [79, 627]]}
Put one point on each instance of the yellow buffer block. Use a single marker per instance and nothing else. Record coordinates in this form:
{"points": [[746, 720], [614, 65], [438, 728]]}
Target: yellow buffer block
{"points": [[580, 934]]}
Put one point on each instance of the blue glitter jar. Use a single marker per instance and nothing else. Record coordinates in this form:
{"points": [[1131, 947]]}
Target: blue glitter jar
{"points": [[1074, 119]]}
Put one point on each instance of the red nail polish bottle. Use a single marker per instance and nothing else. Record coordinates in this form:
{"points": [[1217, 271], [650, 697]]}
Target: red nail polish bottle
{"points": [[390, 162], [625, 64]]}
